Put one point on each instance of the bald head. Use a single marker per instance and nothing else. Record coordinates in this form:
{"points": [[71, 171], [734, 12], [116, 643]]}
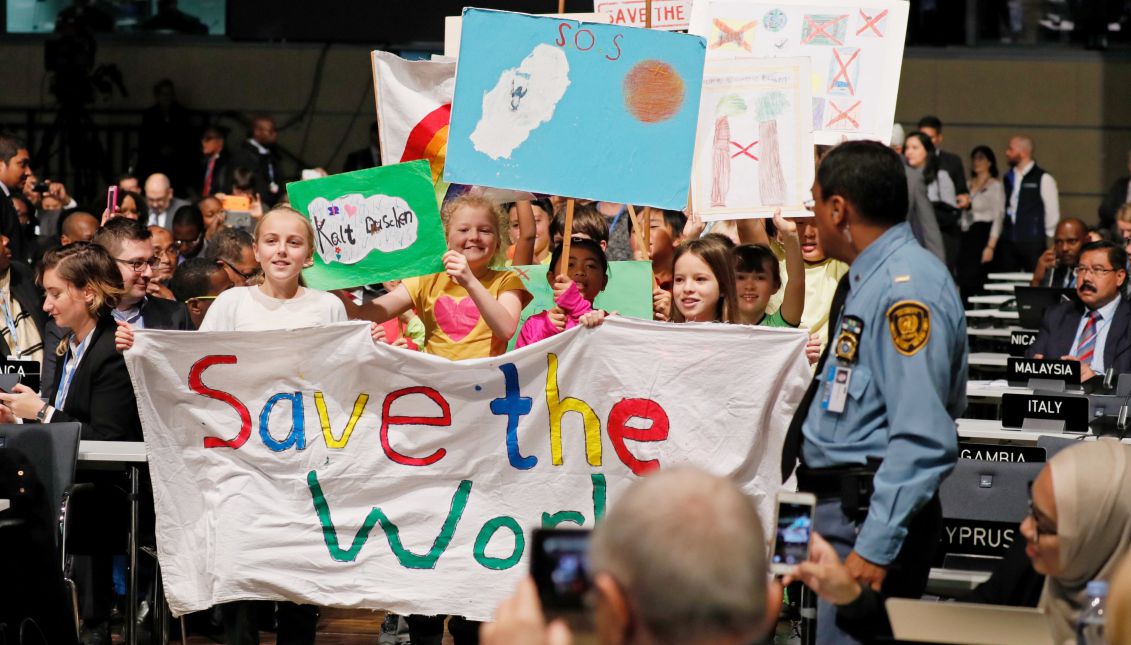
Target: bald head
{"points": [[158, 193], [78, 227], [1020, 150], [1071, 235], [688, 552]]}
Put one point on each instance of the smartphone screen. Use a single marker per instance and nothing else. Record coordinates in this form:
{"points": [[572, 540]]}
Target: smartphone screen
{"points": [[560, 566], [791, 537], [112, 199]]}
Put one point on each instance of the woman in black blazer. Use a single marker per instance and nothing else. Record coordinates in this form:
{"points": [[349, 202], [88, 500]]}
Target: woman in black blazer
{"points": [[91, 385]]}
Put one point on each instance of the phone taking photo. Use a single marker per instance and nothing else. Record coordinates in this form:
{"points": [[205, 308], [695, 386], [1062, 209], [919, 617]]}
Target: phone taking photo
{"points": [[793, 528], [559, 564], [112, 199]]}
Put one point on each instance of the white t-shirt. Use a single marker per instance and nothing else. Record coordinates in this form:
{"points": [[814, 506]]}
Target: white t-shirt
{"points": [[249, 309]]}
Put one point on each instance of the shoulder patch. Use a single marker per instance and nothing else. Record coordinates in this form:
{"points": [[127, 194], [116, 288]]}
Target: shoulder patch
{"points": [[909, 322]]}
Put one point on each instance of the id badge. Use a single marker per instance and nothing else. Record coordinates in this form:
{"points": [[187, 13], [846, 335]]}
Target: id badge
{"points": [[836, 389]]}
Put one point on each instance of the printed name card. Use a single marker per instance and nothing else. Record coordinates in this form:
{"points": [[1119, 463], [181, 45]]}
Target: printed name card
{"points": [[1023, 369], [1017, 409], [1019, 341]]}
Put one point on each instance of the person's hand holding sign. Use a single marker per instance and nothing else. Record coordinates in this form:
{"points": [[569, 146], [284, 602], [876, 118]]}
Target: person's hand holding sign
{"points": [[455, 264], [560, 286]]}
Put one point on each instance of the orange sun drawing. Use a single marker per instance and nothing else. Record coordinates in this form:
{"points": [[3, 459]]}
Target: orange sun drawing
{"points": [[653, 91]]}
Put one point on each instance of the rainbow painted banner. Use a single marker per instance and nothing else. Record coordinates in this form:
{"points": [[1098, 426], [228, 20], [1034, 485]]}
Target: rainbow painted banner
{"points": [[351, 474]]}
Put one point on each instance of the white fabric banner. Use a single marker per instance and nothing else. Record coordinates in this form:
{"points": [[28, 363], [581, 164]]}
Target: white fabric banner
{"points": [[312, 465]]}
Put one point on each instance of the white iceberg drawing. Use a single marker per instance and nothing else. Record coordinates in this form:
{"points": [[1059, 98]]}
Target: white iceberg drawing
{"points": [[524, 98], [347, 228]]}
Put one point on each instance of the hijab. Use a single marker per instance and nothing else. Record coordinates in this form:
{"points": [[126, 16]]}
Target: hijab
{"points": [[1092, 486]]}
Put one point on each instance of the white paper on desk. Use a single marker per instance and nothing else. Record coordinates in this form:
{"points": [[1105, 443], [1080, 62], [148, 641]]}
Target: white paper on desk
{"points": [[315, 525]]}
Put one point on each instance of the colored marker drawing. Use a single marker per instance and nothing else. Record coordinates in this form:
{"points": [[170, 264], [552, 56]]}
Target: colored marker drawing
{"points": [[524, 98], [822, 29], [732, 34], [873, 23], [653, 91], [844, 71]]}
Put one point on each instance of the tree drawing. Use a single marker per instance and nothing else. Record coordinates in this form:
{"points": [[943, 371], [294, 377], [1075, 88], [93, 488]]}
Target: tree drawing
{"points": [[730, 105], [771, 179]]}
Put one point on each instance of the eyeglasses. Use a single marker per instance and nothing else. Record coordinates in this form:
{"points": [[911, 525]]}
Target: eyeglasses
{"points": [[197, 298], [1033, 513], [187, 242], [139, 265], [1099, 272], [245, 276]]}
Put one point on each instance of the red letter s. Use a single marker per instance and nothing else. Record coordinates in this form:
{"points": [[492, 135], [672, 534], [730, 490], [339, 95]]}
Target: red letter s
{"points": [[200, 388]]}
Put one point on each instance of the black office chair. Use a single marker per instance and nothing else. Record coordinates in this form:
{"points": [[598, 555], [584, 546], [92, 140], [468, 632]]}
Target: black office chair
{"points": [[44, 458]]}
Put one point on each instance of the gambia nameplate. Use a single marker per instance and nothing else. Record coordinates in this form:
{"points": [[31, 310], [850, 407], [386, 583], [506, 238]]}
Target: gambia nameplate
{"points": [[1023, 369], [1017, 409]]}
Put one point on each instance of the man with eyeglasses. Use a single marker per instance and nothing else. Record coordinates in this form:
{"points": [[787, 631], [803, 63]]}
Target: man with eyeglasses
{"points": [[231, 249], [1094, 330]]}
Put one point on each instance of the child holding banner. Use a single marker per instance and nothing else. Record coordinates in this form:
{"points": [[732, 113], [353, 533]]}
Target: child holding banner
{"points": [[586, 276], [470, 310]]}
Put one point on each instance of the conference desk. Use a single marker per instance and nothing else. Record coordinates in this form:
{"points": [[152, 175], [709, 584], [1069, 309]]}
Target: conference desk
{"points": [[987, 359], [4, 504], [990, 300], [976, 389], [128, 454], [992, 314], [993, 332], [1018, 276], [954, 582], [1006, 287]]}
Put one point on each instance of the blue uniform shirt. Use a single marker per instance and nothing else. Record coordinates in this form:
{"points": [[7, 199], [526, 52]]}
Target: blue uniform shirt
{"points": [[908, 383]]}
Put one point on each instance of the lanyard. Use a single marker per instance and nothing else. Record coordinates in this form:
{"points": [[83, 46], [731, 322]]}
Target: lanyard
{"points": [[13, 340], [70, 366]]}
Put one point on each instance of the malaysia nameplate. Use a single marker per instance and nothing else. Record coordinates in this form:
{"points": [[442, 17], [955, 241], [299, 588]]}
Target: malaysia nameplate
{"points": [[1023, 369]]}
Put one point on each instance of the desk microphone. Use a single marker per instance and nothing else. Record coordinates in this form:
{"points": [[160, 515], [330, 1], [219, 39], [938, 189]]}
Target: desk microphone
{"points": [[1109, 378]]}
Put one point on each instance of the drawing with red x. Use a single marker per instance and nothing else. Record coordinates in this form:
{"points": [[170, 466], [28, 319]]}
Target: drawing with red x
{"points": [[873, 24], [744, 150], [728, 35], [844, 70], [823, 29], [843, 118]]}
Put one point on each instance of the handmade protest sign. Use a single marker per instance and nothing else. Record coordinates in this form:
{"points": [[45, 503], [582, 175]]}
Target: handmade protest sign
{"points": [[856, 49], [628, 292], [754, 150], [576, 109], [361, 475], [371, 225], [414, 103], [453, 26], [666, 14]]}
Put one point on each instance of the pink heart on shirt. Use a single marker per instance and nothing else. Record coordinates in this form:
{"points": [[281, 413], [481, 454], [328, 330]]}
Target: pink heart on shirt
{"points": [[456, 318]]}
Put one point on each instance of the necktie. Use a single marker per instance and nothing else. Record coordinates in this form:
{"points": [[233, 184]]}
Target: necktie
{"points": [[208, 177], [1086, 348], [791, 450]]}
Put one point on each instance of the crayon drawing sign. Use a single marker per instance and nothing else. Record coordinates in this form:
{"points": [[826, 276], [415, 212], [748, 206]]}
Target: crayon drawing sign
{"points": [[562, 107], [371, 225], [855, 49], [754, 147], [360, 475]]}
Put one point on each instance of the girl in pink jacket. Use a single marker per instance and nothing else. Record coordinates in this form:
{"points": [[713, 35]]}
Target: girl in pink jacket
{"points": [[586, 276]]}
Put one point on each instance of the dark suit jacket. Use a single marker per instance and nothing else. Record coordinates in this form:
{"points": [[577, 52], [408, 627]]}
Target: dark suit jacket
{"points": [[921, 215], [25, 292], [1113, 201], [18, 242], [101, 396], [221, 175], [1058, 332], [248, 157], [952, 164], [157, 314]]}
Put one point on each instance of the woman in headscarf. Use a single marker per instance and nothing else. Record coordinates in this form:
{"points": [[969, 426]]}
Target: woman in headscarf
{"points": [[1079, 527]]}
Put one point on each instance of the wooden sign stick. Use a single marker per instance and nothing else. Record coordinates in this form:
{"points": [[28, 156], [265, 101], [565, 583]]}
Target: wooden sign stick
{"points": [[641, 228], [647, 14], [567, 235], [561, 6]]}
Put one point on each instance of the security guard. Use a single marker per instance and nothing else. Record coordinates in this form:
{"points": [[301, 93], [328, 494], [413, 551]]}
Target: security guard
{"points": [[877, 430]]}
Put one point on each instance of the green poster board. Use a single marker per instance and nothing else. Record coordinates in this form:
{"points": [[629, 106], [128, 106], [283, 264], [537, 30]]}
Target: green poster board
{"points": [[629, 291], [371, 225]]}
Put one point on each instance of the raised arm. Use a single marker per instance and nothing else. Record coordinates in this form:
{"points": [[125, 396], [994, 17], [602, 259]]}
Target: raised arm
{"points": [[753, 231], [793, 301], [388, 306], [524, 245]]}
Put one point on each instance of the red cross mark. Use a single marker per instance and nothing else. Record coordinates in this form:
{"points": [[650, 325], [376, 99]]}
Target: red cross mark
{"points": [[843, 73], [522, 274], [872, 23], [743, 150], [732, 36], [819, 28], [850, 115]]}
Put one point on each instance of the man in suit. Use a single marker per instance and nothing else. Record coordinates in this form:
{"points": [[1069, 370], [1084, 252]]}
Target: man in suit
{"points": [[215, 170], [1116, 198], [161, 202], [1094, 331], [948, 161], [1056, 267], [14, 170], [258, 154], [22, 319]]}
